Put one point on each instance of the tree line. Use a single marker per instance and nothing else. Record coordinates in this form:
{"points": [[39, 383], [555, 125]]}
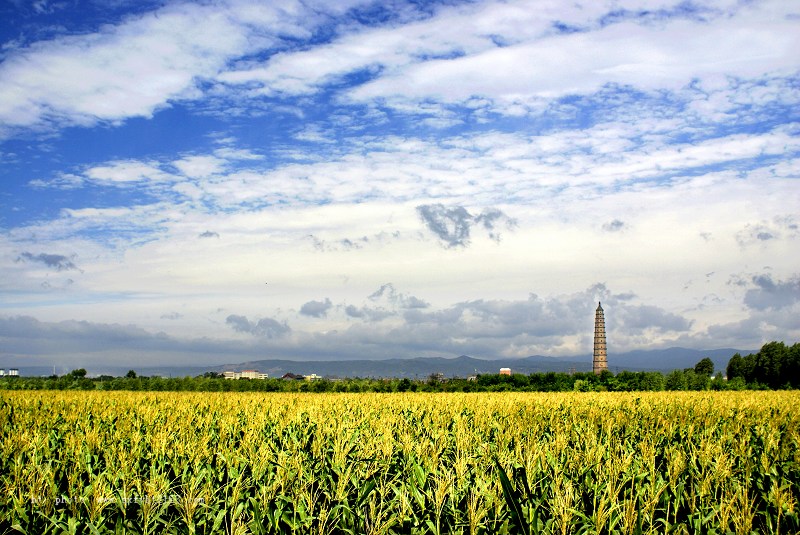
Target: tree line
{"points": [[775, 366]]}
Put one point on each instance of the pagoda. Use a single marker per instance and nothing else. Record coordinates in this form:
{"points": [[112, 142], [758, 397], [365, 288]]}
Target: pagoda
{"points": [[599, 362]]}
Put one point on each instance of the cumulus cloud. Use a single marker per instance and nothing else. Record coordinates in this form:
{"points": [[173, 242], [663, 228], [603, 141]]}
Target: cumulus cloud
{"points": [[641, 318], [368, 313], [766, 231], [389, 294], [124, 172], [316, 309], [55, 261], [199, 166], [492, 218], [453, 225], [265, 327], [770, 294]]}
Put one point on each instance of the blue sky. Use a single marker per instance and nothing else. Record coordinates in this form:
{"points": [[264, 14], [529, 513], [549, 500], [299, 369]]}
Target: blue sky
{"points": [[209, 182]]}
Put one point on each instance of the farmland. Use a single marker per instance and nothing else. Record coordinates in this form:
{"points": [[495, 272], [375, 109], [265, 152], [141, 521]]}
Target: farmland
{"points": [[133, 462]]}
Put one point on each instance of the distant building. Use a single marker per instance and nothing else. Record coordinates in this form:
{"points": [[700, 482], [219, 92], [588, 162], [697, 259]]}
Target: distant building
{"points": [[291, 376], [245, 374], [249, 374], [312, 377], [13, 372], [2, 373], [600, 356], [505, 371]]}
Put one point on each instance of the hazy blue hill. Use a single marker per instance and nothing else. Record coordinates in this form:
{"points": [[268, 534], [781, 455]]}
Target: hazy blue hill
{"points": [[673, 358], [421, 367]]}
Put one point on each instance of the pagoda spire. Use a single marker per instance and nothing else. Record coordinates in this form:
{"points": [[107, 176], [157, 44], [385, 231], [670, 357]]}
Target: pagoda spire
{"points": [[599, 358]]}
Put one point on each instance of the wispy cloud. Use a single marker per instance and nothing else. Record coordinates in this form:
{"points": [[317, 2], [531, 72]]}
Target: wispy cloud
{"points": [[139, 66]]}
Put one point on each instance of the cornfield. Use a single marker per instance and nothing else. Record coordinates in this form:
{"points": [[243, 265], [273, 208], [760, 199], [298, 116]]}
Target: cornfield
{"points": [[103, 462]]}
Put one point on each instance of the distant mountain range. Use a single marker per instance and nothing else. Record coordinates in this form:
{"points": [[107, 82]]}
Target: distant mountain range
{"points": [[463, 366], [641, 360]]}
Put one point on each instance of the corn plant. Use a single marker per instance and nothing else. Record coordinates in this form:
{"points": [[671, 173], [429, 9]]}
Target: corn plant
{"points": [[572, 463]]}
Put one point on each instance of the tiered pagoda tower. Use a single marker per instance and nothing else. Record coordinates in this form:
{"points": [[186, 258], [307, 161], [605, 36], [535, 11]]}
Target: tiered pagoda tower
{"points": [[599, 362]]}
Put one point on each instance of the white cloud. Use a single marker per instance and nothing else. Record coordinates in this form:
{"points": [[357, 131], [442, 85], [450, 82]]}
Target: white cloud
{"points": [[200, 166], [511, 57], [138, 66], [645, 57], [674, 157], [126, 171]]}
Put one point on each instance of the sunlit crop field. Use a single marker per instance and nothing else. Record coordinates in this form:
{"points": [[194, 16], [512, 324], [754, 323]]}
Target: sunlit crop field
{"points": [[104, 462]]}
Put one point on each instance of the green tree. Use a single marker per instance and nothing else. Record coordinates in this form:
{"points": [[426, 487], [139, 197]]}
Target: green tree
{"points": [[696, 381], [675, 380], [130, 375], [652, 381], [80, 373], [735, 367], [404, 385], [705, 367]]}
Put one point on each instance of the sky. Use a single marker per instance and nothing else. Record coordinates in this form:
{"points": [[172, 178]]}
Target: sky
{"points": [[195, 183]]}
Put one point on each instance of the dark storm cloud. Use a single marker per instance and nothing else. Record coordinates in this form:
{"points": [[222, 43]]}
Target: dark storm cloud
{"points": [[769, 294], [637, 319], [75, 344], [453, 225], [390, 325], [28, 335], [56, 261], [316, 309], [265, 327]]}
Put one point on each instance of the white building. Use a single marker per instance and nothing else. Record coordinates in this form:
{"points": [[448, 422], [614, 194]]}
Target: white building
{"points": [[13, 372], [2, 373], [245, 374], [249, 374]]}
